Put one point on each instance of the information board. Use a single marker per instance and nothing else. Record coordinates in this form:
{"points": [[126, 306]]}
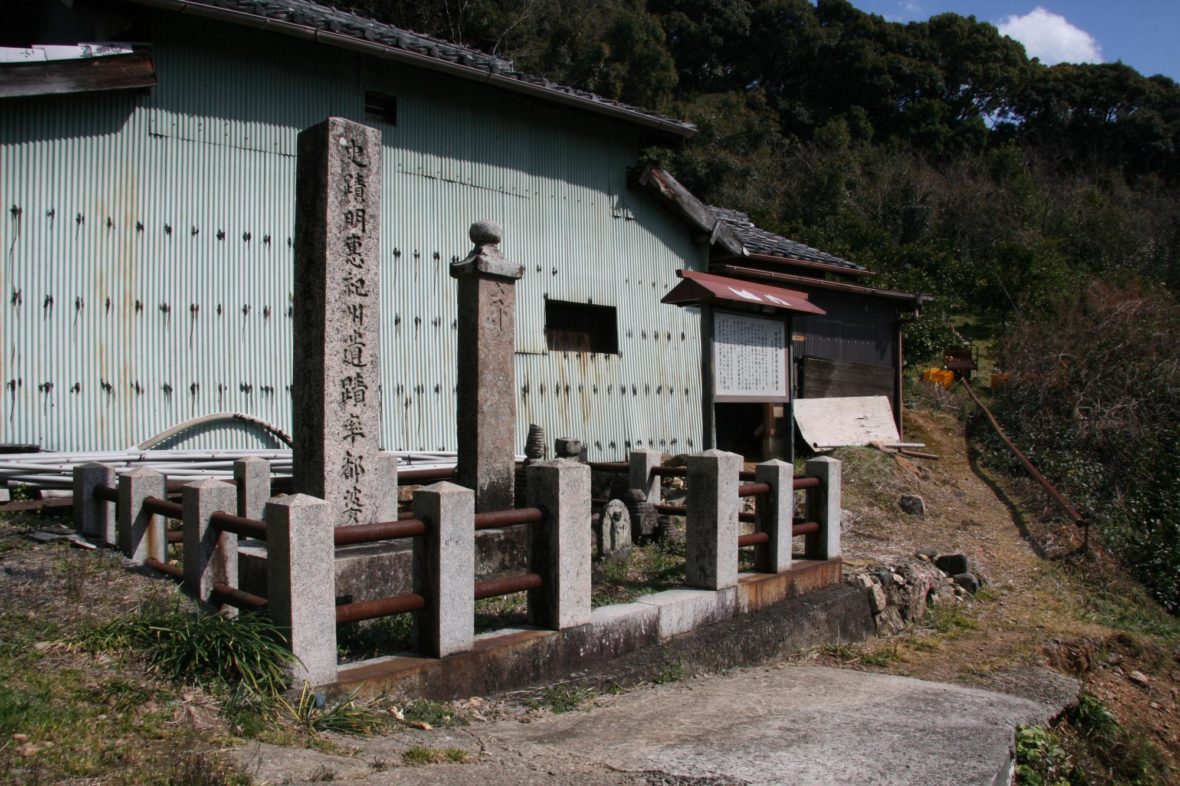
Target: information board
{"points": [[750, 357]]}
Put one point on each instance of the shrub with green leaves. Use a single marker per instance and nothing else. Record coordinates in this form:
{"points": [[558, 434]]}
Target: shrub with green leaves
{"points": [[1094, 402]]}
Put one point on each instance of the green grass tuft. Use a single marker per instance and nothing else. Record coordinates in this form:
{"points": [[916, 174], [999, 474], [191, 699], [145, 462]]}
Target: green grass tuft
{"points": [[201, 648]]}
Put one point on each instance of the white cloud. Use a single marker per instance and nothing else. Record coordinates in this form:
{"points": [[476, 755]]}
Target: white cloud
{"points": [[1052, 38]]}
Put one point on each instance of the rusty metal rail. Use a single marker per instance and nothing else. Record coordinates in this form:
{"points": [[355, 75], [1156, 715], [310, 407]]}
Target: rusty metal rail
{"points": [[413, 477], [671, 510], [106, 493], [508, 518], [753, 489], [238, 525], [609, 466], [379, 607], [753, 539], [804, 528], [232, 596], [175, 536], [805, 482], [378, 531], [172, 571], [1057, 496], [493, 588], [670, 472], [162, 507]]}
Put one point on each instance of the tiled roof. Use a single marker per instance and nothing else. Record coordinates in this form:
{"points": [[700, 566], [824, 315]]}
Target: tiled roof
{"points": [[309, 16], [759, 241]]}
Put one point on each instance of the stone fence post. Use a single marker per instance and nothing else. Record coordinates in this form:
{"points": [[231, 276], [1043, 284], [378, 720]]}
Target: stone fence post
{"points": [[210, 555], [485, 400], [94, 518], [711, 528], [140, 534], [252, 476], [775, 513], [301, 582], [824, 508], [561, 547], [642, 462], [444, 567]]}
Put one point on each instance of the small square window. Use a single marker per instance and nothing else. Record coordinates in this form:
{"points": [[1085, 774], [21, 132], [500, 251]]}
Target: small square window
{"points": [[379, 106], [577, 327]]}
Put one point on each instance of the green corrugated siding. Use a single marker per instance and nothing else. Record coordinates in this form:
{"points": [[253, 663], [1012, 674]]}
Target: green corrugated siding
{"points": [[178, 207]]}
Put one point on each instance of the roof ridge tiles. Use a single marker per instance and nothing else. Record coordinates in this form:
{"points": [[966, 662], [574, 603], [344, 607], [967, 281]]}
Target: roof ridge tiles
{"points": [[309, 14]]}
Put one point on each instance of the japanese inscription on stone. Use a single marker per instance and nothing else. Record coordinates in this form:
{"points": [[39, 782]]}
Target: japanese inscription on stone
{"points": [[337, 357], [749, 356]]}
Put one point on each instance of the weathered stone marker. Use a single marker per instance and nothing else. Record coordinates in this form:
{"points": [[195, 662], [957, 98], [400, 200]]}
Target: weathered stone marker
{"points": [[487, 377], [336, 388]]}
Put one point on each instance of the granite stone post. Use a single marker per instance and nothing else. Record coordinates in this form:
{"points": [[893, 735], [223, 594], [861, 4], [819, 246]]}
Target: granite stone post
{"points": [[824, 508], [301, 583], [94, 518], [141, 534], [210, 555], [711, 526], [252, 477], [774, 514], [336, 390], [486, 410], [561, 547], [444, 567], [639, 474]]}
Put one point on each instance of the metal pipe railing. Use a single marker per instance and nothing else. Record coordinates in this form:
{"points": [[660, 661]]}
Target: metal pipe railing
{"points": [[378, 531], [172, 571], [508, 518], [379, 607], [753, 539], [106, 493], [753, 489], [609, 466], [240, 599], [162, 507], [238, 525], [493, 588], [804, 528]]}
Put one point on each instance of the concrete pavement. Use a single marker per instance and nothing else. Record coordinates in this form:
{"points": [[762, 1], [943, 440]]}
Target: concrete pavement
{"points": [[780, 724]]}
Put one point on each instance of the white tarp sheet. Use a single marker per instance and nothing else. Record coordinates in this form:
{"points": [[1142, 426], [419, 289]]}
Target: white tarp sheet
{"points": [[836, 422]]}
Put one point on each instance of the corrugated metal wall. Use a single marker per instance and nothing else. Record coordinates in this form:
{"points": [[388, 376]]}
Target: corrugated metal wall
{"points": [[147, 251]]}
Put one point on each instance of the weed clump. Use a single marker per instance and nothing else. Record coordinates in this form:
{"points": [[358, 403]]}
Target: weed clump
{"points": [[210, 650]]}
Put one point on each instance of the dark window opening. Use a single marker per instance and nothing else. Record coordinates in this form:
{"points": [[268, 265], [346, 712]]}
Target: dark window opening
{"points": [[576, 327], [379, 106]]}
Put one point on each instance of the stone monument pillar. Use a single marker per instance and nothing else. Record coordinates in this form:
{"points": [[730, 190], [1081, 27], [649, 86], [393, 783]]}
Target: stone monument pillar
{"points": [[336, 388], [487, 376]]}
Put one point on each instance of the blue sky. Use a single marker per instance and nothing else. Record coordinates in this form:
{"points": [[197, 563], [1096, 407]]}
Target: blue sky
{"points": [[1144, 34]]}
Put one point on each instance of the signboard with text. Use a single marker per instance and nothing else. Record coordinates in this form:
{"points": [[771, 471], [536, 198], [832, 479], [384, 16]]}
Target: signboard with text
{"points": [[750, 358]]}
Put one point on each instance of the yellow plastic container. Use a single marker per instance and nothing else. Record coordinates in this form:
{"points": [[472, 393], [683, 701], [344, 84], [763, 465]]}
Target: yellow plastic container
{"points": [[939, 376]]}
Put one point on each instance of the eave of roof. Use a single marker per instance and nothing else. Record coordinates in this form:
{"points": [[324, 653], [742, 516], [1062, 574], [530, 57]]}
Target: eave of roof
{"points": [[314, 22], [810, 282], [699, 287]]}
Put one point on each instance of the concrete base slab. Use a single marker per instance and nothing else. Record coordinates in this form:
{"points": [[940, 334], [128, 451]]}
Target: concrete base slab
{"points": [[757, 591], [619, 645], [682, 610], [804, 726]]}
